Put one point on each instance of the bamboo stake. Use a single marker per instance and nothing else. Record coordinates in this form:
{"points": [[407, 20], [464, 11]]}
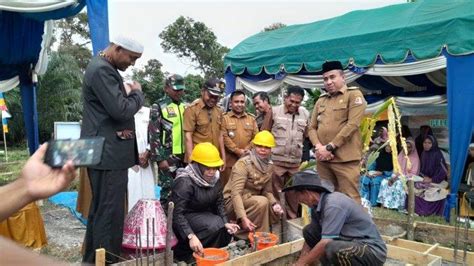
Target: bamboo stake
{"points": [[411, 210], [100, 257], [169, 230], [284, 226]]}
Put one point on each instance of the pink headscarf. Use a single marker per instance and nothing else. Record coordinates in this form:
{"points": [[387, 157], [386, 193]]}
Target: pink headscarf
{"points": [[414, 159]]}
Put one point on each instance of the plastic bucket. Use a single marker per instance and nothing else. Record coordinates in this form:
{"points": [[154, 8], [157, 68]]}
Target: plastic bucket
{"points": [[265, 240], [212, 256]]}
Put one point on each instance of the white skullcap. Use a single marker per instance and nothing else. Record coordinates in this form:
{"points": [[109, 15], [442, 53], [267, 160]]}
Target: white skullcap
{"points": [[128, 43], [471, 146]]}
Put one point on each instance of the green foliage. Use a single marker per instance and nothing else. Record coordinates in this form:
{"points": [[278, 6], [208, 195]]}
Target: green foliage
{"points": [[16, 126], [152, 80], [193, 83], [313, 96], [59, 93], [193, 40], [274, 26]]}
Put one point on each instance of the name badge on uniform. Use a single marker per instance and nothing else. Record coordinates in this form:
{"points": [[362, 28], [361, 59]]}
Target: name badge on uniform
{"points": [[358, 101], [171, 112]]}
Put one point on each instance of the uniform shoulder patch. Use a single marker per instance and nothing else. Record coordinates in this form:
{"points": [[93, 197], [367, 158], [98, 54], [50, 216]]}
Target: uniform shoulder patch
{"points": [[358, 100], [352, 88], [251, 115]]}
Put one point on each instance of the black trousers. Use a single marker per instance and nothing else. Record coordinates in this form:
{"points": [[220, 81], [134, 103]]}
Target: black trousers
{"points": [[340, 252], [182, 251], [106, 214]]}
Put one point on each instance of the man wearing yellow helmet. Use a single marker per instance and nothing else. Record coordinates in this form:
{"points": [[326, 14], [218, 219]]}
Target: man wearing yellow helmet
{"points": [[199, 216], [248, 195]]}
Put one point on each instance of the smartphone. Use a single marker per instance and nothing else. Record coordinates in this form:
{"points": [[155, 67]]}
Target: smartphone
{"points": [[83, 152]]}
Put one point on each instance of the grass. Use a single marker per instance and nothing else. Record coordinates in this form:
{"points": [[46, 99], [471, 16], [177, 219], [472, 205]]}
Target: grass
{"points": [[398, 216], [17, 157]]}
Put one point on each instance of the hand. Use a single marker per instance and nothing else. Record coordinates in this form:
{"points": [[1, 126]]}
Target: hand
{"points": [[135, 86], [248, 225], [143, 159], [222, 168], [163, 165], [128, 87], [196, 245], [43, 181], [427, 179], [277, 209], [244, 152], [324, 155], [232, 228]]}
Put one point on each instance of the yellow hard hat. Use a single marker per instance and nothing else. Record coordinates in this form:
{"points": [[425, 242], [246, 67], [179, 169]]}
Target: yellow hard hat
{"points": [[206, 154], [264, 138]]}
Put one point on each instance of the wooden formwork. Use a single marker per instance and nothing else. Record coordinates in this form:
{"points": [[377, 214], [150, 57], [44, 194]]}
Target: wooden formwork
{"points": [[159, 259], [285, 254]]}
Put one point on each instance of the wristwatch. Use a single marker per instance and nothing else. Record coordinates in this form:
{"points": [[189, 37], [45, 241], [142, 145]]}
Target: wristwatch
{"points": [[190, 236], [329, 147]]}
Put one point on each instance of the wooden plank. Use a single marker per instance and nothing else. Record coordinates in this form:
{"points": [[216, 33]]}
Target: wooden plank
{"points": [[159, 260], [411, 256], [444, 252], [266, 255], [100, 257]]}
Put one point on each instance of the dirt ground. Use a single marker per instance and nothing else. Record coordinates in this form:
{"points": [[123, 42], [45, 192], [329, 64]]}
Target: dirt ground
{"points": [[65, 233]]}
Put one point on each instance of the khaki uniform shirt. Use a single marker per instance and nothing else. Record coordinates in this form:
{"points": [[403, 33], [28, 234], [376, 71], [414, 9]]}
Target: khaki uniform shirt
{"points": [[203, 122], [289, 131], [238, 133], [336, 118], [247, 181]]}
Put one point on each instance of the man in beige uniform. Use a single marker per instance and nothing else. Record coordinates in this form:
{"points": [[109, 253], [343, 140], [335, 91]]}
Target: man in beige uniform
{"points": [[238, 129], [334, 131], [203, 118], [289, 126]]}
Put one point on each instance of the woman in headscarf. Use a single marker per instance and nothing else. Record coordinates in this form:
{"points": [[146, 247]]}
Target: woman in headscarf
{"points": [[379, 170], [199, 216], [248, 195], [425, 130], [430, 194], [392, 194]]}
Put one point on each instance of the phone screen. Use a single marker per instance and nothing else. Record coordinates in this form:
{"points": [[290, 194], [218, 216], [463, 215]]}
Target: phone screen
{"points": [[83, 152]]}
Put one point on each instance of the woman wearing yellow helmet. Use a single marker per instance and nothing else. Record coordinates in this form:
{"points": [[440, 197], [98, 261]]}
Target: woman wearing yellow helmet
{"points": [[248, 195], [199, 216]]}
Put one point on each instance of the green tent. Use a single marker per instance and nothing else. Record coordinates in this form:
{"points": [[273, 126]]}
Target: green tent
{"points": [[393, 34], [423, 28]]}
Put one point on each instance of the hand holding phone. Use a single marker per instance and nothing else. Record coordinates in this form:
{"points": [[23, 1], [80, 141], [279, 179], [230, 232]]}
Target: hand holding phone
{"points": [[82, 152]]}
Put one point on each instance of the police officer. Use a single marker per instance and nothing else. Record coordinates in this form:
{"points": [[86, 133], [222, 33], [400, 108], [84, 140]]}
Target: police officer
{"points": [[334, 131], [238, 129], [203, 118], [166, 134]]}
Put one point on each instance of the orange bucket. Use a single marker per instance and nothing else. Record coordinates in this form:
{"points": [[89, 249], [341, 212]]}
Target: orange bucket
{"points": [[265, 240], [212, 256]]}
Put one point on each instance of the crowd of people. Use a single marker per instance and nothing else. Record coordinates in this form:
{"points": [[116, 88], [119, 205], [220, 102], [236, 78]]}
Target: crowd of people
{"points": [[225, 169]]}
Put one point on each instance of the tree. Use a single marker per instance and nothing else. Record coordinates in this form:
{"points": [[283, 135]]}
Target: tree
{"points": [[59, 93], [75, 38], [274, 26], [193, 40], [152, 80], [194, 84]]}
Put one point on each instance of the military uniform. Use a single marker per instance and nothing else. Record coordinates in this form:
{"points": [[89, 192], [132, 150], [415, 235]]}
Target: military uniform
{"points": [[238, 131], [203, 122], [336, 118], [249, 194], [161, 131]]}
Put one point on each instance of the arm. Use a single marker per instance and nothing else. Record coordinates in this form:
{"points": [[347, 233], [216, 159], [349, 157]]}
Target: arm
{"points": [[268, 192], [107, 88], [314, 254], [238, 178], [181, 195], [37, 180], [222, 150], [189, 126], [220, 205], [13, 254], [313, 125], [356, 113]]}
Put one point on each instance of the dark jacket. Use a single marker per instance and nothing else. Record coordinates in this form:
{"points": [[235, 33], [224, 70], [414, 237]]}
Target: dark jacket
{"points": [[108, 110]]}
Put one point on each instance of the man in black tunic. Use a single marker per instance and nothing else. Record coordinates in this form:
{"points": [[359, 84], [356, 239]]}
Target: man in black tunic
{"points": [[109, 107]]}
